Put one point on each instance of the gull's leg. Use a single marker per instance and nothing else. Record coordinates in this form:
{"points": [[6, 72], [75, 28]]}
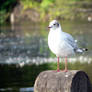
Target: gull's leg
{"points": [[58, 64], [65, 65]]}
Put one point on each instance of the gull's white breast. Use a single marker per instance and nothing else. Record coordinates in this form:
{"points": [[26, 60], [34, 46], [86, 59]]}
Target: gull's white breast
{"points": [[58, 45]]}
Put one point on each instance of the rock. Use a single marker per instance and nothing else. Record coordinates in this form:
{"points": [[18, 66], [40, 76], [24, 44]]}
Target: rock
{"points": [[20, 14], [51, 81]]}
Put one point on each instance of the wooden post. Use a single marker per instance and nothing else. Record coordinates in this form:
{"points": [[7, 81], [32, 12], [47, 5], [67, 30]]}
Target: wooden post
{"points": [[71, 81]]}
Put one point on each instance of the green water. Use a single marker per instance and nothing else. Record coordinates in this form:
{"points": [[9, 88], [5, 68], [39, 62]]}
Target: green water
{"points": [[23, 44]]}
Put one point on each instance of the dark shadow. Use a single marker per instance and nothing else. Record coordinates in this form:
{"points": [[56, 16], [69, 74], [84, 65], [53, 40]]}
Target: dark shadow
{"points": [[15, 76], [81, 83]]}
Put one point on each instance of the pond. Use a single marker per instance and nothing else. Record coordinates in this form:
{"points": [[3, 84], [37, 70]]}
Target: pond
{"points": [[26, 44]]}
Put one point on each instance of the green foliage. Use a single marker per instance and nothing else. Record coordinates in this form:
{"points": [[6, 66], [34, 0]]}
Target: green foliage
{"points": [[34, 4], [6, 6], [29, 4], [55, 8], [52, 8], [2, 16], [63, 9], [46, 3]]}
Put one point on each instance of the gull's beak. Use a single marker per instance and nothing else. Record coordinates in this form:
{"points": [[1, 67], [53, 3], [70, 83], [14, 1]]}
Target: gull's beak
{"points": [[49, 27]]}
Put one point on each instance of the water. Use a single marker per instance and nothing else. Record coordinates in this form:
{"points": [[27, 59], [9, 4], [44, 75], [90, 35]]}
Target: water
{"points": [[26, 43], [29, 89]]}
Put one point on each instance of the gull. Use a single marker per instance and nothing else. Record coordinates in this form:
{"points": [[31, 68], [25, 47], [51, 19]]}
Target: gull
{"points": [[61, 43]]}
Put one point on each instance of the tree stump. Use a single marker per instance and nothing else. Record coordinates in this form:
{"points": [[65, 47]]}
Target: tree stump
{"points": [[71, 81]]}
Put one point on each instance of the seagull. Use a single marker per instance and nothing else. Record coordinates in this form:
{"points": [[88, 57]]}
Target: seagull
{"points": [[61, 43]]}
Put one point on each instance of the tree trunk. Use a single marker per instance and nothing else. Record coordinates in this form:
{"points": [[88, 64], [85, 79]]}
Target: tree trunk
{"points": [[71, 81]]}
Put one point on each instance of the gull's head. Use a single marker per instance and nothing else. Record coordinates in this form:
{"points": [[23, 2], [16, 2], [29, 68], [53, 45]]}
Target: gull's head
{"points": [[54, 25]]}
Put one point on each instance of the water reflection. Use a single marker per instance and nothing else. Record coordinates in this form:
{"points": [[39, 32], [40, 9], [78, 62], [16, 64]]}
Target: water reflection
{"points": [[17, 90], [26, 43], [21, 44]]}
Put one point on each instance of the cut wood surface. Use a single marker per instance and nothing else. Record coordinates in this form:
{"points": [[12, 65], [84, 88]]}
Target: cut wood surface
{"points": [[71, 81]]}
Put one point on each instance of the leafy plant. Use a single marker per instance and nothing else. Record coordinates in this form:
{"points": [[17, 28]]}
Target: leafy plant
{"points": [[65, 9], [6, 6]]}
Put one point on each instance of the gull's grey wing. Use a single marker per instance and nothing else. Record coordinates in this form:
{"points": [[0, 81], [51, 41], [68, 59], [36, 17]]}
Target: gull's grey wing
{"points": [[70, 40]]}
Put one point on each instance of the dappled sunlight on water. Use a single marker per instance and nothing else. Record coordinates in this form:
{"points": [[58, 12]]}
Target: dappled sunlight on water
{"points": [[29, 40]]}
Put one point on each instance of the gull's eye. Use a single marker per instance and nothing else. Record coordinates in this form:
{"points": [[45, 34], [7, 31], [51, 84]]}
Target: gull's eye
{"points": [[54, 24]]}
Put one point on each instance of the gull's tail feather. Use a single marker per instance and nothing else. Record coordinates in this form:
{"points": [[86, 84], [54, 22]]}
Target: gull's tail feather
{"points": [[81, 50]]}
